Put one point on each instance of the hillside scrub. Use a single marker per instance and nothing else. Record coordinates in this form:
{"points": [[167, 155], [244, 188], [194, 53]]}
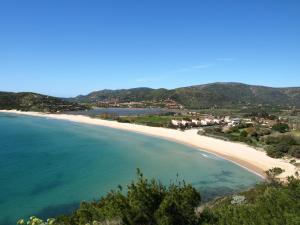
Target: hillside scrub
{"points": [[281, 145], [148, 202]]}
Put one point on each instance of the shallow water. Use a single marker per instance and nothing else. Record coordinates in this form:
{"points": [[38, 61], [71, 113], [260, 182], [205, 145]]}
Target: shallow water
{"points": [[48, 166]]}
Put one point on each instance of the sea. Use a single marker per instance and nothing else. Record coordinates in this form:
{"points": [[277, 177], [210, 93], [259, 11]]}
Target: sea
{"points": [[48, 166]]}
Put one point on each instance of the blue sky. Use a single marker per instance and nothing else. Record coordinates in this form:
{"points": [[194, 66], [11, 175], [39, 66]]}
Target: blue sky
{"points": [[66, 48]]}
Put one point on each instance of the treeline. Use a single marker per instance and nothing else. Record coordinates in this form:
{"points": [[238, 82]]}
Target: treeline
{"points": [[161, 120], [148, 202]]}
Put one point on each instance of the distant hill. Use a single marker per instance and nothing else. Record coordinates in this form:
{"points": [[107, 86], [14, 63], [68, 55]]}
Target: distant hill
{"points": [[202, 96], [27, 101]]}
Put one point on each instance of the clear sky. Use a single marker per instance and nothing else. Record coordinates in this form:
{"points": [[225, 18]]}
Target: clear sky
{"points": [[66, 48]]}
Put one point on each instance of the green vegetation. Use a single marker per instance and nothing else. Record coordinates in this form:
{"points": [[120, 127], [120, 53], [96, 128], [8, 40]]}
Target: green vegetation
{"points": [[273, 204], [163, 120], [273, 173], [215, 95], [282, 144], [149, 120], [145, 202], [281, 127], [148, 202], [26, 101], [242, 133], [258, 129], [277, 145], [36, 221], [265, 131]]}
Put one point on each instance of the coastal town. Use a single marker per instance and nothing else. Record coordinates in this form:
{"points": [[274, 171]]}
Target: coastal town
{"points": [[209, 121], [196, 120]]}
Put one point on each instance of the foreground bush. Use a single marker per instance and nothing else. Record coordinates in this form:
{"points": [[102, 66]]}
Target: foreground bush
{"points": [[274, 204], [145, 202], [148, 202]]}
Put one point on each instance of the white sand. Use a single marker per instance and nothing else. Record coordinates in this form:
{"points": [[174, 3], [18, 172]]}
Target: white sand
{"points": [[241, 154]]}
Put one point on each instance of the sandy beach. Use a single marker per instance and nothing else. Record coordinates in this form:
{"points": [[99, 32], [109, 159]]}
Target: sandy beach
{"points": [[241, 154]]}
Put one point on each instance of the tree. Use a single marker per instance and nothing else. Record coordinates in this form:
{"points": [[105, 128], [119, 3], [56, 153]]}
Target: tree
{"points": [[273, 173], [146, 202], [243, 133], [178, 206]]}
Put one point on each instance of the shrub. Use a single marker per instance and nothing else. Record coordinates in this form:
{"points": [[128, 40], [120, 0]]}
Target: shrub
{"points": [[36, 221], [146, 202], [238, 200], [281, 127], [295, 151], [243, 133], [272, 152], [274, 171]]}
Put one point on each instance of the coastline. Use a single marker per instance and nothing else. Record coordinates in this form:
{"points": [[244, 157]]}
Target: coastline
{"points": [[241, 154]]}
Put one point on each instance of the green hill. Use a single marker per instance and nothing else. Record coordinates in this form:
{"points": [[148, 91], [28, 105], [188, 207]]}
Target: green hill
{"points": [[27, 101], [203, 96]]}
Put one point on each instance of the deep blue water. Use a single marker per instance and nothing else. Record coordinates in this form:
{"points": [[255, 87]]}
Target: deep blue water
{"points": [[48, 166]]}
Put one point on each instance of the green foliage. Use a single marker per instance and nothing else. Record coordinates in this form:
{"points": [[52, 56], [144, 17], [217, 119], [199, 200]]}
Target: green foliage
{"points": [[148, 202], [178, 206], [275, 151], [260, 113], [145, 202], [295, 151], [276, 145], [218, 95], [149, 120], [273, 173], [27, 101], [243, 133], [281, 145], [272, 204], [36, 221], [281, 127]]}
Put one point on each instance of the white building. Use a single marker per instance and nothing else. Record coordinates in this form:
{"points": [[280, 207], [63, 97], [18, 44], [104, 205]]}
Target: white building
{"points": [[197, 122], [175, 122], [227, 119], [234, 122], [185, 122], [203, 122], [216, 121]]}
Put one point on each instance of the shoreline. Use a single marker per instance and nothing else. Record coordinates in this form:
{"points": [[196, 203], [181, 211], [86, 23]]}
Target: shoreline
{"points": [[240, 154]]}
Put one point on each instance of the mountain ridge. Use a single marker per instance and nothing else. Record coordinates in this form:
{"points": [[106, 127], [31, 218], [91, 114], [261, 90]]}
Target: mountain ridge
{"points": [[218, 94]]}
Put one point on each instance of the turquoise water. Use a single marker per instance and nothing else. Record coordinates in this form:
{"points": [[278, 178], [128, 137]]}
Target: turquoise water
{"points": [[48, 166]]}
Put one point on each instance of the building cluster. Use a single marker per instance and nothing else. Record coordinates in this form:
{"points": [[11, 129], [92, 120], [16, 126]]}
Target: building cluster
{"points": [[210, 121], [267, 122]]}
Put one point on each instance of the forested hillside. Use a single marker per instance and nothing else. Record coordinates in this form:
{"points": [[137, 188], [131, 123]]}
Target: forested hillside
{"points": [[27, 101], [202, 96]]}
